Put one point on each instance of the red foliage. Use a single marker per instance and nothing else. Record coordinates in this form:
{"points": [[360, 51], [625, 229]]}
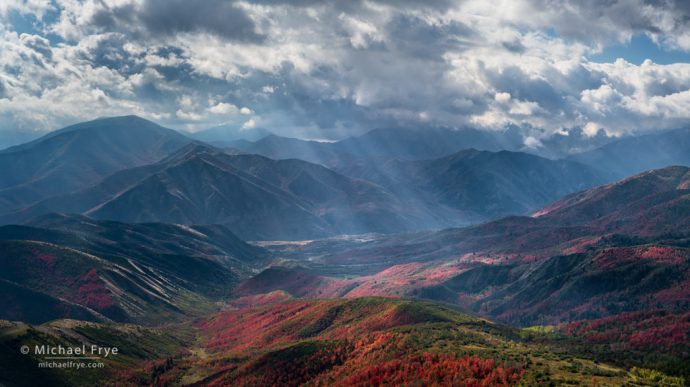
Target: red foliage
{"points": [[239, 330], [260, 299], [46, 258], [92, 291], [270, 325], [657, 330], [432, 369]]}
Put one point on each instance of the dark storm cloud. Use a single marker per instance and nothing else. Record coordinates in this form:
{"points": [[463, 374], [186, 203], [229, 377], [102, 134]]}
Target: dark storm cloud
{"points": [[514, 46], [219, 17], [416, 37], [355, 4], [169, 17], [514, 81], [601, 20], [679, 7]]}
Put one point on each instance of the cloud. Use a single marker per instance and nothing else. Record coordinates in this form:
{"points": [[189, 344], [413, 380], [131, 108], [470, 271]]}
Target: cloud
{"points": [[224, 108], [249, 124], [502, 97], [169, 17], [327, 69]]}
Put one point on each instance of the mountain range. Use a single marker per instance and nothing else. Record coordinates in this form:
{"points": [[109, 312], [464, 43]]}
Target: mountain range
{"points": [[402, 143], [262, 198], [399, 256], [487, 184], [78, 156], [256, 196], [622, 247]]}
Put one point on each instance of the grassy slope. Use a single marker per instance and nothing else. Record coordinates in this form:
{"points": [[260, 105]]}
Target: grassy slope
{"points": [[137, 345], [359, 341], [368, 340]]}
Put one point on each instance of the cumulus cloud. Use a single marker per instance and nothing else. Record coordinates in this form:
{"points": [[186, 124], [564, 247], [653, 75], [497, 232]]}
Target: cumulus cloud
{"points": [[223, 108], [326, 69]]}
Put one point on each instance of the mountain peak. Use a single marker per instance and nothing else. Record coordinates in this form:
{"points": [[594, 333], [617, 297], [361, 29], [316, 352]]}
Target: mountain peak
{"points": [[80, 155], [191, 150], [129, 117], [114, 123]]}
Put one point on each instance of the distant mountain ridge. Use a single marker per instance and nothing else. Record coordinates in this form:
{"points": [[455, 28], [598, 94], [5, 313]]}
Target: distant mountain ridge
{"points": [[402, 143], [632, 155], [224, 135], [650, 204], [385, 181], [78, 156], [260, 198], [485, 184], [256, 196]]}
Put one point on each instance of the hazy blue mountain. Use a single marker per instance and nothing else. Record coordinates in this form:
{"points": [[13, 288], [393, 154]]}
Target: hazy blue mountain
{"points": [[78, 156], [416, 144], [486, 184], [633, 155], [255, 196], [223, 135], [403, 143], [280, 148], [262, 198]]}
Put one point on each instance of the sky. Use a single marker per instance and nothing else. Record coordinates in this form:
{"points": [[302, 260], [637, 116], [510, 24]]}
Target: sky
{"points": [[329, 69]]}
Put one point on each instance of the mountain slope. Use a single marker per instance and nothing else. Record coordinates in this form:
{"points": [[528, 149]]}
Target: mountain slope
{"points": [[137, 345], [402, 143], [607, 281], [114, 271], [645, 205], [80, 155], [652, 202], [481, 183], [255, 196], [367, 341], [621, 247], [372, 341], [633, 155]]}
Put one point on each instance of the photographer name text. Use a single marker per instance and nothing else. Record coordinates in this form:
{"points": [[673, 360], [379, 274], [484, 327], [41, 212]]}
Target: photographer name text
{"points": [[77, 351]]}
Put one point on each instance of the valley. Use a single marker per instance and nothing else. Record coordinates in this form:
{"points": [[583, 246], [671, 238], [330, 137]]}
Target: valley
{"points": [[213, 266]]}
